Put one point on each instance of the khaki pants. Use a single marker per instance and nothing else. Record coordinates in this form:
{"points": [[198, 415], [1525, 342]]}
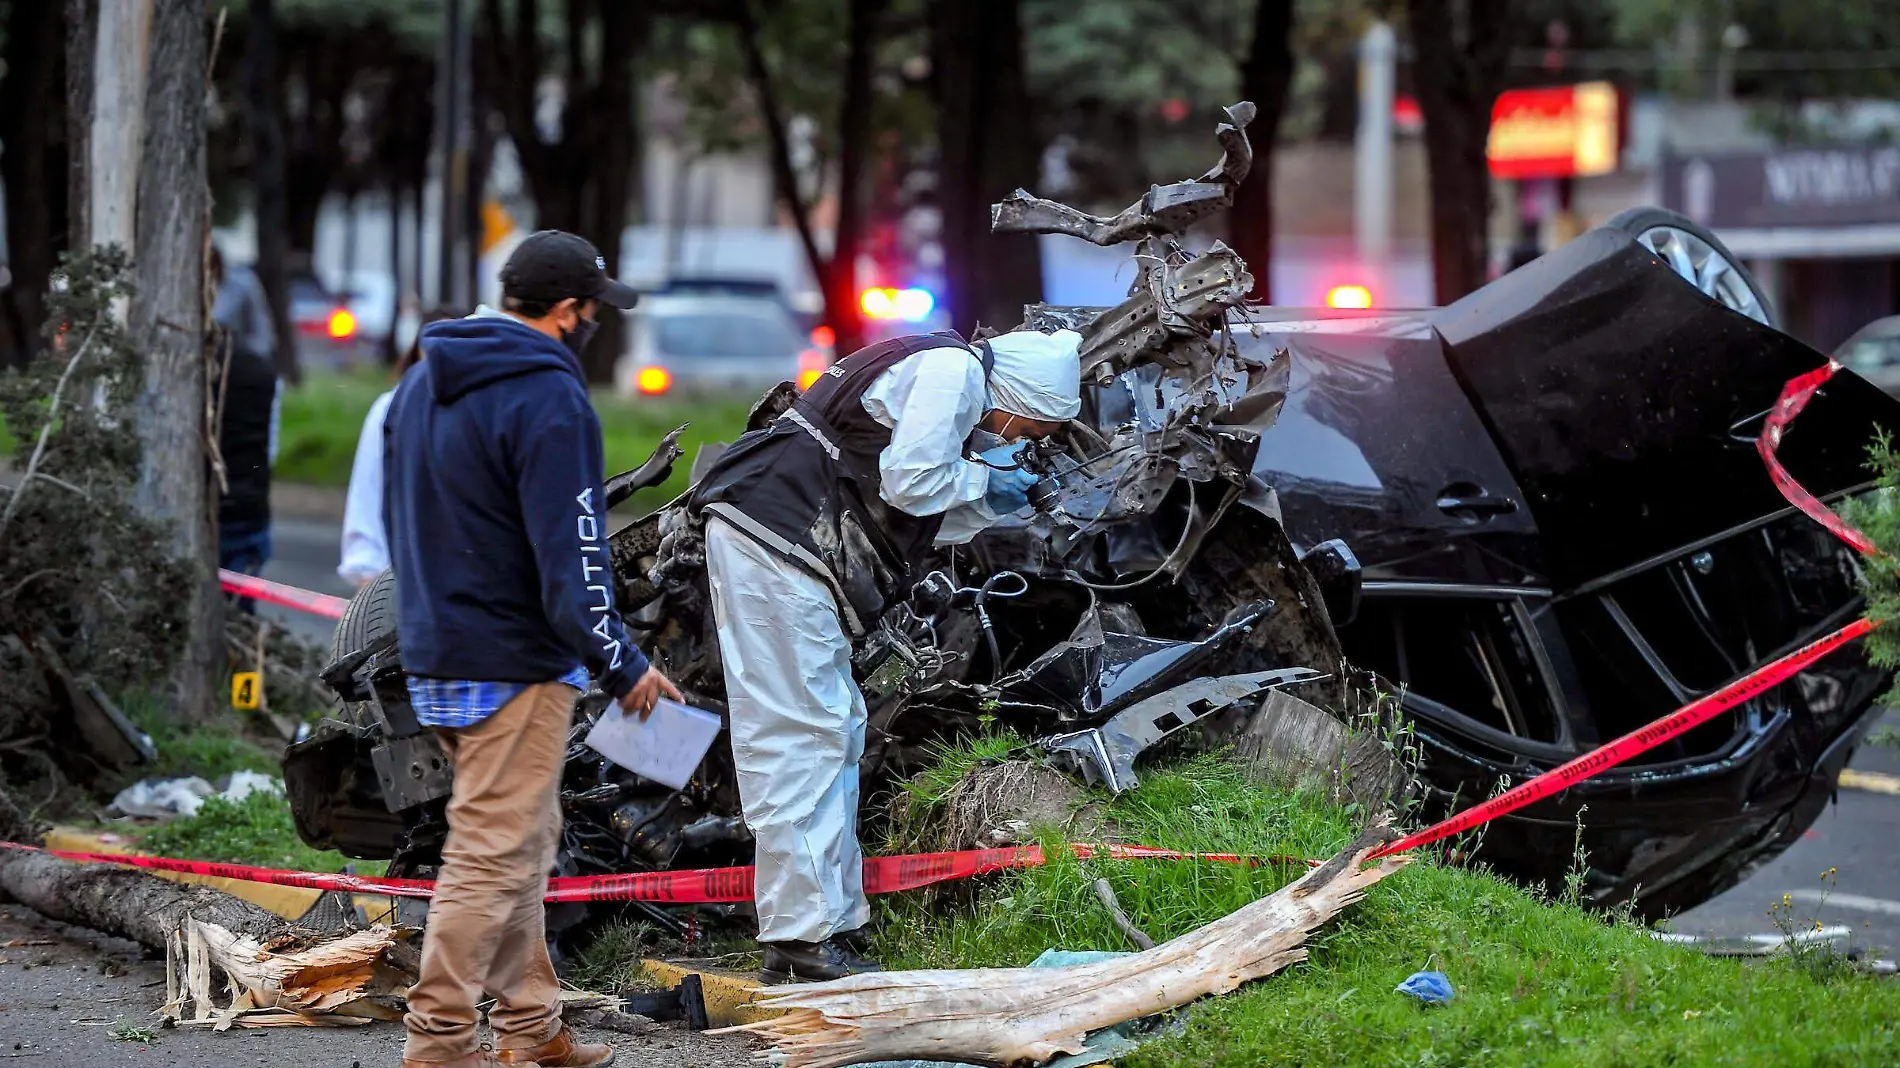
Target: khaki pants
{"points": [[485, 930]]}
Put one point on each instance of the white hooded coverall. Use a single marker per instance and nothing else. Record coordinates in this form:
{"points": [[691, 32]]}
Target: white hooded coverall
{"points": [[797, 716]]}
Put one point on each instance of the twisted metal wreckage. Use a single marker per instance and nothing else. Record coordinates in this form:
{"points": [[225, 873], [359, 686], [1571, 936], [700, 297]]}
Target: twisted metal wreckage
{"points": [[1537, 513]]}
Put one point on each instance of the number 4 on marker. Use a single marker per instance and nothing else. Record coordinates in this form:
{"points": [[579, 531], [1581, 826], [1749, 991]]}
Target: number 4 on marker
{"points": [[247, 690]]}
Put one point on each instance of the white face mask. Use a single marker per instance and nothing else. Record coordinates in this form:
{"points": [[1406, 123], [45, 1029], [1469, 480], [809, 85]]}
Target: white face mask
{"points": [[982, 441]]}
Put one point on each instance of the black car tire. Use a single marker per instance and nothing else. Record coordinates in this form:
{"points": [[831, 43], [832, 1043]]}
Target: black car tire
{"points": [[371, 614], [1638, 221]]}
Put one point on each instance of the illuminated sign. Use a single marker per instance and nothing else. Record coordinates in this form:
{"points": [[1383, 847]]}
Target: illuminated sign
{"points": [[1558, 132]]}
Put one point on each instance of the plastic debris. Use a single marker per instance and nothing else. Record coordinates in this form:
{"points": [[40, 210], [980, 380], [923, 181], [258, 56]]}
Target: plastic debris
{"points": [[245, 783], [1432, 988], [169, 798], [164, 798]]}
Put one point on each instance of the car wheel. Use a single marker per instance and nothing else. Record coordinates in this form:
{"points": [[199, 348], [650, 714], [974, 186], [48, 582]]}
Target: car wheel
{"points": [[1698, 256], [371, 614]]}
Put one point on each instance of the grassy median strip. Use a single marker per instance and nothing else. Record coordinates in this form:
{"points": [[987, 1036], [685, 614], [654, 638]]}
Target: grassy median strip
{"points": [[323, 418], [1539, 980], [257, 831]]}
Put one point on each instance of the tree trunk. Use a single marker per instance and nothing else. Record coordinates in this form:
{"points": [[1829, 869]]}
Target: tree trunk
{"points": [[32, 118], [779, 151], [1462, 51], [118, 66], [989, 147], [82, 37], [854, 133], [1265, 78], [622, 33], [265, 122], [167, 315], [122, 902]]}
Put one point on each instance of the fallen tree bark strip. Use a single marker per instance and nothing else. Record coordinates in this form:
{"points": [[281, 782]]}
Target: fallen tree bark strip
{"points": [[122, 902], [1004, 1015]]}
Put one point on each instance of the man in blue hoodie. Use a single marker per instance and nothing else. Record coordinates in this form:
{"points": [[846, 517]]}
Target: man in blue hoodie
{"points": [[498, 537]]}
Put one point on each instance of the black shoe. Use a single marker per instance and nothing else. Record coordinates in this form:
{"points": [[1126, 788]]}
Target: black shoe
{"points": [[857, 940], [813, 962]]}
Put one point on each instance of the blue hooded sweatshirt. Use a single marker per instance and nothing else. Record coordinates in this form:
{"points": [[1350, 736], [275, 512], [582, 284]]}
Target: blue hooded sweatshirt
{"points": [[497, 521]]}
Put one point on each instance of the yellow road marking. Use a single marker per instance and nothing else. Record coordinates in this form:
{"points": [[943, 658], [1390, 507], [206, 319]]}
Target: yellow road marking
{"points": [[729, 995], [1872, 781]]}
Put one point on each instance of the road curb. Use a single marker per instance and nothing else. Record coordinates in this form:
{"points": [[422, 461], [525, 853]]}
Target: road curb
{"points": [[290, 902], [729, 996]]}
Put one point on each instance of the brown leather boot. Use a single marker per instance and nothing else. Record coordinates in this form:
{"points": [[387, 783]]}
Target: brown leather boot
{"points": [[481, 1058], [561, 1051]]}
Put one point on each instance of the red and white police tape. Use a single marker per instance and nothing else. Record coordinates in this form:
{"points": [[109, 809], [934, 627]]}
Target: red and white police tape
{"points": [[317, 604], [883, 875]]}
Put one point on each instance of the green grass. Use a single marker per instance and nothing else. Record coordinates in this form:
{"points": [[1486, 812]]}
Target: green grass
{"points": [[206, 750], [323, 418], [1539, 982], [257, 830]]}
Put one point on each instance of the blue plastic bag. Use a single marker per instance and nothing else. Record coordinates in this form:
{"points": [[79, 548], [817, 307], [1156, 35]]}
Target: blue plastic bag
{"points": [[1432, 988]]}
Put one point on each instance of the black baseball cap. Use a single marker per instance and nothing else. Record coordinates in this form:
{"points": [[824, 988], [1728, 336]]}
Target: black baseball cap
{"points": [[549, 266]]}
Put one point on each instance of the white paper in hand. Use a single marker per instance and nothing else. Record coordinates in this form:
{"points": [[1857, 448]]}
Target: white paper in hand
{"points": [[666, 748]]}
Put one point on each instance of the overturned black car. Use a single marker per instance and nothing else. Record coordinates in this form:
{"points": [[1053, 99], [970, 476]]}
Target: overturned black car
{"points": [[1538, 512]]}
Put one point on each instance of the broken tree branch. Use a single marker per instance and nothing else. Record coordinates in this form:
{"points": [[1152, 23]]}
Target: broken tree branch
{"points": [[1106, 895], [784, 175], [1005, 1015], [46, 432]]}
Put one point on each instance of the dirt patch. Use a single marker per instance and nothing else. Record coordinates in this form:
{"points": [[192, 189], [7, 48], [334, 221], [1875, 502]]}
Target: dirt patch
{"points": [[1005, 803]]}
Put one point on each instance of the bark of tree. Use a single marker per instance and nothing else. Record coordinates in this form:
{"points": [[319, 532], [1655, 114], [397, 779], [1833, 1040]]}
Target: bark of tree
{"points": [[264, 120], [989, 148], [117, 67], [168, 314], [33, 165], [122, 902], [583, 180], [82, 34], [1266, 75], [1460, 54], [836, 274]]}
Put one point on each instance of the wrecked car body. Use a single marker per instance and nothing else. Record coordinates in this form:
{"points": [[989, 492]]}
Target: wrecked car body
{"points": [[1566, 533], [1538, 513]]}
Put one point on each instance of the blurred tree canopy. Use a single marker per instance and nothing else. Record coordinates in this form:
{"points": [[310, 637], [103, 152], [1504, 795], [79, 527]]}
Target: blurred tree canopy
{"points": [[1779, 51], [1115, 95]]}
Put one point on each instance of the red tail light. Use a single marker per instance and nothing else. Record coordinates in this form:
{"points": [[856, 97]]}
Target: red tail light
{"points": [[341, 324], [811, 364], [653, 381]]}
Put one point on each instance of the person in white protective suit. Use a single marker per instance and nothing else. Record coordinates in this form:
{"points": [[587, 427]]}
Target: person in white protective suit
{"points": [[813, 527]]}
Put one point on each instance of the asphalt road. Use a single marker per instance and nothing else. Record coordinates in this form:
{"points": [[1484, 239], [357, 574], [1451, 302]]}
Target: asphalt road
{"points": [[304, 553], [77, 999], [1855, 837]]}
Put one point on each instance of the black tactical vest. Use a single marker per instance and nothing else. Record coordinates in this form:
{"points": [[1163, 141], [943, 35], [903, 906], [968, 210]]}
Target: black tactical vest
{"points": [[807, 486]]}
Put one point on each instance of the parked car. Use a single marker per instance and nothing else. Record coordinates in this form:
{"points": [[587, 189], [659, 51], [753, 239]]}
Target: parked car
{"points": [[1874, 353], [338, 328], [714, 343]]}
